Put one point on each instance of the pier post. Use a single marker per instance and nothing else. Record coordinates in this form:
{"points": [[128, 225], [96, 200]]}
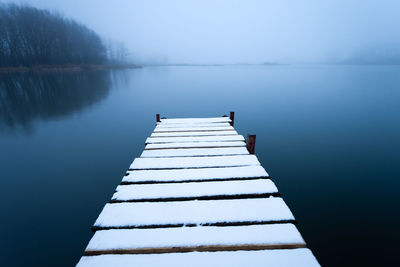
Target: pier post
{"points": [[251, 143], [158, 118], [232, 117]]}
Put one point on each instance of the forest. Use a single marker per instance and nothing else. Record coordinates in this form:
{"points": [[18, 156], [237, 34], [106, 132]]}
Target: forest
{"points": [[31, 36]]}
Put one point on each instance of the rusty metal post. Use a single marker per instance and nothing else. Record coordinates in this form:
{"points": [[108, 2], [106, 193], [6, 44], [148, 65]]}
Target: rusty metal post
{"points": [[232, 117], [158, 118], [251, 143]]}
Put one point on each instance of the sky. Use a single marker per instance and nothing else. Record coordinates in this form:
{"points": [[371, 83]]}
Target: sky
{"points": [[212, 31]]}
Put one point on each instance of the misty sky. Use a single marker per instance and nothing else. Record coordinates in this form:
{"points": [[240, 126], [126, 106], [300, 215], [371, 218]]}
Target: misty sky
{"points": [[238, 31]]}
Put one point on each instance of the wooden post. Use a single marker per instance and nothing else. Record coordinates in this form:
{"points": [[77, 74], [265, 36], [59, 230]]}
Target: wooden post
{"points": [[232, 117], [158, 118], [251, 143]]}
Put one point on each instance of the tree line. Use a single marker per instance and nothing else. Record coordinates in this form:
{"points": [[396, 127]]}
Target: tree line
{"points": [[31, 36]]}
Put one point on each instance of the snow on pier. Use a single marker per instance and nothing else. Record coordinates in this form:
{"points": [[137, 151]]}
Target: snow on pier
{"points": [[181, 239], [196, 189], [193, 133], [193, 162], [195, 152], [194, 175], [177, 145], [193, 139]]}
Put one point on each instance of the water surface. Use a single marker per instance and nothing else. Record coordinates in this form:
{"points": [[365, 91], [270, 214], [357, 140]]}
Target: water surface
{"points": [[328, 136]]}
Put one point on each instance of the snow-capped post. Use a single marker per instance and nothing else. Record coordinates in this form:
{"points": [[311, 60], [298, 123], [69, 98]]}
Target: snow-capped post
{"points": [[251, 143], [158, 118], [232, 117]]}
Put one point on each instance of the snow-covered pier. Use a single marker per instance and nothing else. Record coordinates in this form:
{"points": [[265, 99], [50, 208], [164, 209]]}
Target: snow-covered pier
{"points": [[197, 196]]}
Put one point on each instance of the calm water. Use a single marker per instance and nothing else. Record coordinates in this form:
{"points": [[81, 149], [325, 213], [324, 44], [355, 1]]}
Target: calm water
{"points": [[328, 136]]}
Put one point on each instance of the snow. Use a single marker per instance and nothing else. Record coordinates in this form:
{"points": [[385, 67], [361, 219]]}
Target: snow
{"points": [[192, 129], [194, 145], [153, 140], [186, 125], [193, 212], [201, 133], [300, 257], [178, 190], [181, 175], [194, 162], [195, 120], [266, 235], [185, 158], [194, 152]]}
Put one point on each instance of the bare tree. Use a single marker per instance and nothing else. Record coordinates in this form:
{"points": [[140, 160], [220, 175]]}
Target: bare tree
{"points": [[30, 36]]}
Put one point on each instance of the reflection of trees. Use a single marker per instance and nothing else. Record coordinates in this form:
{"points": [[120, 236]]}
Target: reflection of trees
{"points": [[26, 97]]}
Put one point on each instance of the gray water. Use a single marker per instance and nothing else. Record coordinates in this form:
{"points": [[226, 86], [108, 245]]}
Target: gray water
{"points": [[328, 136]]}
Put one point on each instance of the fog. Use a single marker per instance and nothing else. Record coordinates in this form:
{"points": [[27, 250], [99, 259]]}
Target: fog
{"points": [[242, 31]]}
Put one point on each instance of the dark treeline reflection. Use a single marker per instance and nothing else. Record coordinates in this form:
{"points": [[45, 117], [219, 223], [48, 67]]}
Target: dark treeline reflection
{"points": [[31, 36], [25, 97]]}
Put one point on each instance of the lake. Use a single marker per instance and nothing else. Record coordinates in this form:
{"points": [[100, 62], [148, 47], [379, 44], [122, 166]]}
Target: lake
{"points": [[327, 134]]}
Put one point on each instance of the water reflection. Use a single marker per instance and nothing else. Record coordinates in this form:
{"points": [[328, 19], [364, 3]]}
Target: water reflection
{"points": [[26, 97]]}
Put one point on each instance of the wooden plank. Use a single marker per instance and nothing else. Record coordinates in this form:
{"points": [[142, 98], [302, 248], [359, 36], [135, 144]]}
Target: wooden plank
{"points": [[192, 213], [194, 145], [191, 191], [194, 152], [195, 175], [195, 120], [186, 125], [185, 239], [300, 257], [192, 129], [155, 140], [201, 133], [193, 162]]}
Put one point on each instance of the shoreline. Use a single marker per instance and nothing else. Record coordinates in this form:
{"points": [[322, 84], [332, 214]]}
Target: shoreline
{"points": [[66, 68]]}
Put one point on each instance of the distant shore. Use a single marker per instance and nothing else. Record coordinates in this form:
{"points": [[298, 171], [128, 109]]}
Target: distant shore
{"points": [[214, 64], [66, 68]]}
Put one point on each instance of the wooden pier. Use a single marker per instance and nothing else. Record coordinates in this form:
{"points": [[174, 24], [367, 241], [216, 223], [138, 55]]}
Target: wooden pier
{"points": [[197, 196]]}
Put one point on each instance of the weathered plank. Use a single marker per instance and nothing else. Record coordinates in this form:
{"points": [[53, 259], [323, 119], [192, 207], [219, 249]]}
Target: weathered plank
{"points": [[197, 212], [183, 239], [300, 257], [195, 175], [159, 129], [193, 162], [194, 145], [191, 139], [185, 125], [190, 191], [198, 133], [194, 120], [194, 152]]}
